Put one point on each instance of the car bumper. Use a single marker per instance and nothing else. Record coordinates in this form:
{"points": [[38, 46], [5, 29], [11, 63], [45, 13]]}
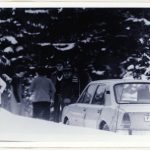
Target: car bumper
{"points": [[133, 132]]}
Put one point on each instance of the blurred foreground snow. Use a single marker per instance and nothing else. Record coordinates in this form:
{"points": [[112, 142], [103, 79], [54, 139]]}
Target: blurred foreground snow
{"points": [[17, 128]]}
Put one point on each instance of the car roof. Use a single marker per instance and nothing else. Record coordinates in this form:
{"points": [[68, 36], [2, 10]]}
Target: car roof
{"points": [[117, 81]]}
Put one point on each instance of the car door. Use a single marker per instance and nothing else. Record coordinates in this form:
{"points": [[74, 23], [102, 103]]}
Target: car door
{"points": [[77, 113], [94, 110], [83, 104]]}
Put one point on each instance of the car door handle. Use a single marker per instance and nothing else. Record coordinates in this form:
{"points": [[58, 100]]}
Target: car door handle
{"points": [[99, 111], [84, 109]]}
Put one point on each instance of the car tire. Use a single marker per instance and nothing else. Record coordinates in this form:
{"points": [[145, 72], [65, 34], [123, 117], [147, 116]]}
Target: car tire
{"points": [[66, 121], [105, 127]]}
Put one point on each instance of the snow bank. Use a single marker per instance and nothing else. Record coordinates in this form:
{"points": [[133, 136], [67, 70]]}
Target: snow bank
{"points": [[17, 128], [13, 127]]}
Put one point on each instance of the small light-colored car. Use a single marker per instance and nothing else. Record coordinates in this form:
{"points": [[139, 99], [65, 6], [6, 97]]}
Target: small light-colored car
{"points": [[116, 105]]}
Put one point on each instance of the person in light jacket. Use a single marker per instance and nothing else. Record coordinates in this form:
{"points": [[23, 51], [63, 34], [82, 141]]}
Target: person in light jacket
{"points": [[16, 101], [42, 93], [2, 88]]}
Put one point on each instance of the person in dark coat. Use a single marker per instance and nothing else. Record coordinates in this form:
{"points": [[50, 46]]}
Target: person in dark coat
{"points": [[58, 78], [67, 89]]}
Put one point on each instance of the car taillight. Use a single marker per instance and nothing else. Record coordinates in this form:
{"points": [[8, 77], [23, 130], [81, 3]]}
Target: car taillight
{"points": [[126, 122]]}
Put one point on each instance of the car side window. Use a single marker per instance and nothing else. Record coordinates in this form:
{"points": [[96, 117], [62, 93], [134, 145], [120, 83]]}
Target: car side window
{"points": [[82, 97], [88, 94], [99, 97]]}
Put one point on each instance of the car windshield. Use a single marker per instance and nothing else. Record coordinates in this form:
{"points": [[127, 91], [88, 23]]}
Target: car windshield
{"points": [[132, 93]]}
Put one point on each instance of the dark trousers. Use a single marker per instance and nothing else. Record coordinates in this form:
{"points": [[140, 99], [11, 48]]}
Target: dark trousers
{"points": [[57, 104], [41, 110]]}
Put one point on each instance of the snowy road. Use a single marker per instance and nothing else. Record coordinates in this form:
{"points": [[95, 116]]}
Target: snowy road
{"points": [[14, 128]]}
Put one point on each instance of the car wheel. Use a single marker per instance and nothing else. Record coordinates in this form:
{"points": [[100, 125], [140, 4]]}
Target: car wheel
{"points": [[66, 121], [105, 127]]}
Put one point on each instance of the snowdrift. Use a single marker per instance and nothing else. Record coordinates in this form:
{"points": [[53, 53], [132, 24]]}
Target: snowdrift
{"points": [[18, 128], [22, 129]]}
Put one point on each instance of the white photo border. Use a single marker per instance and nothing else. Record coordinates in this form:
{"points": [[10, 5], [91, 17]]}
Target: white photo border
{"points": [[144, 144]]}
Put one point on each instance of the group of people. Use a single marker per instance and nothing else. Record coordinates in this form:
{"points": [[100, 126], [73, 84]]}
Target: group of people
{"points": [[44, 93]]}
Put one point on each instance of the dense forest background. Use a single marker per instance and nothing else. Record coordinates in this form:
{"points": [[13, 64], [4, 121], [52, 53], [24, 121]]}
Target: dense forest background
{"points": [[93, 43]]}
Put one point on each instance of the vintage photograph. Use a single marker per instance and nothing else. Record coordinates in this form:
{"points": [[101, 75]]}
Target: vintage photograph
{"points": [[74, 71]]}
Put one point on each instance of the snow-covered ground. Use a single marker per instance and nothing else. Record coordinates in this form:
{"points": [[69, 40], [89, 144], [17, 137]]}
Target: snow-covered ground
{"points": [[16, 128]]}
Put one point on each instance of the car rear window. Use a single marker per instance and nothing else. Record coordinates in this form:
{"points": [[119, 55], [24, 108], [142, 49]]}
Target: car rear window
{"points": [[132, 93]]}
